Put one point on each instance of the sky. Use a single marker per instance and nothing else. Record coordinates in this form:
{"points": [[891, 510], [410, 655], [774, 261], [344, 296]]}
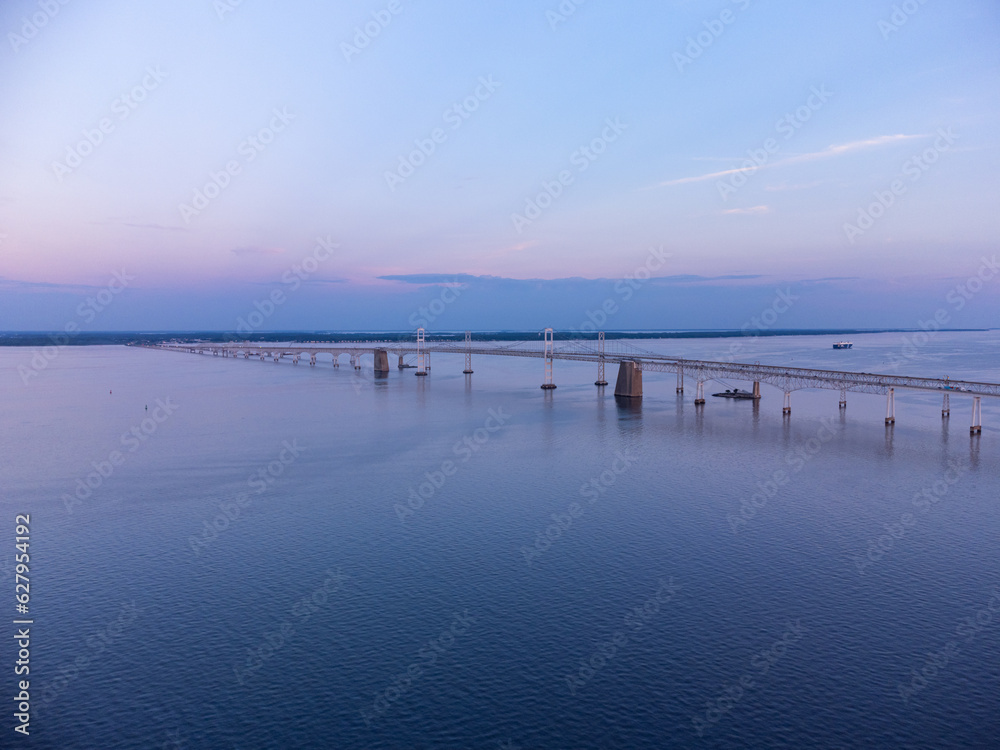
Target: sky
{"points": [[252, 165]]}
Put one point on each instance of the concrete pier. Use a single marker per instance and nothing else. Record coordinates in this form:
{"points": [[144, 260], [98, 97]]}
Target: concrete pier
{"points": [[629, 383], [381, 360]]}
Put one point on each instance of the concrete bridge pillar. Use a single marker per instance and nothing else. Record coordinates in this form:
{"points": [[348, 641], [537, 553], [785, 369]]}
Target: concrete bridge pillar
{"points": [[786, 409], [401, 365], [381, 360], [946, 406], [756, 389], [977, 416], [699, 393], [680, 380], [843, 398], [629, 383], [890, 407]]}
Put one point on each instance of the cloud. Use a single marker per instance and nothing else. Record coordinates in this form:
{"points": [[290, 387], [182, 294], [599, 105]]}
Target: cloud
{"points": [[244, 251], [434, 278], [834, 150], [749, 211], [154, 226]]}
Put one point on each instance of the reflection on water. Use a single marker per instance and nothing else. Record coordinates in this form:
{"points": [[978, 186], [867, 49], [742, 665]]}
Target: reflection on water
{"points": [[544, 519]]}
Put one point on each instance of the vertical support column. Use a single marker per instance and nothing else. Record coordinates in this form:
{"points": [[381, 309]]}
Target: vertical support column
{"points": [[699, 394], [629, 383], [468, 353], [381, 361], [756, 389], [312, 360], [421, 370], [600, 360], [977, 416], [843, 398], [786, 408], [427, 359], [890, 407], [946, 406], [547, 384], [680, 378], [401, 365]]}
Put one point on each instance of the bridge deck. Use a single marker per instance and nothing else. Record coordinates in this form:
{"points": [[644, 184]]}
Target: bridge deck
{"points": [[785, 378]]}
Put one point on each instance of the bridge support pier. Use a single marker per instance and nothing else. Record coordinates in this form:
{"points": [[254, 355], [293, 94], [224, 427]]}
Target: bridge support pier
{"points": [[547, 384], [756, 389], [946, 406], [977, 416], [699, 393], [843, 398], [401, 365], [421, 371], [381, 361], [468, 353], [312, 360], [680, 380], [786, 408], [295, 359], [600, 361], [890, 407], [629, 383]]}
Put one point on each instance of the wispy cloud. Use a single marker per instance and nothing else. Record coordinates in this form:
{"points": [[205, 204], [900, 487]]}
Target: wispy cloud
{"points": [[826, 153], [244, 251], [748, 211], [154, 226]]}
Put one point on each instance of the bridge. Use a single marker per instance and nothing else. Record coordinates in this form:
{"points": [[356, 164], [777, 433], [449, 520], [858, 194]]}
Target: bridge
{"points": [[632, 362]]}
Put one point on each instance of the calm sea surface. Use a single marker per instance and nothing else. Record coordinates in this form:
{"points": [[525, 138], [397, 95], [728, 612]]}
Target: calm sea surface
{"points": [[284, 556]]}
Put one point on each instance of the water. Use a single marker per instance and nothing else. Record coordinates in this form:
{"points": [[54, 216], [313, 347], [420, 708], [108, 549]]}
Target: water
{"points": [[769, 627]]}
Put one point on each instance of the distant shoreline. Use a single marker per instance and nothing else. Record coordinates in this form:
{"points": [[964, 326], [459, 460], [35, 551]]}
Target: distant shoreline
{"points": [[106, 338]]}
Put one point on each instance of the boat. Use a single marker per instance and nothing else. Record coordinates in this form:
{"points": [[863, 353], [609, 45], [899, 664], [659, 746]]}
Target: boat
{"points": [[735, 393], [843, 345]]}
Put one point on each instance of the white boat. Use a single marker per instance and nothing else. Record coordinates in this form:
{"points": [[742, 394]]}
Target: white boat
{"points": [[843, 345]]}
